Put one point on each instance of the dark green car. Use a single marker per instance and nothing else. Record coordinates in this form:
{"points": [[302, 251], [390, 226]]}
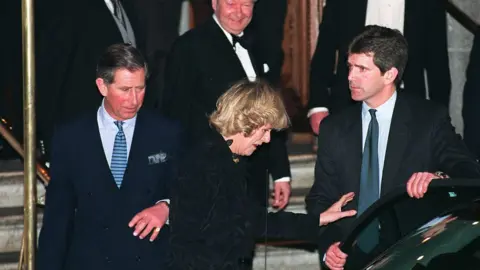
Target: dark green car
{"points": [[448, 238]]}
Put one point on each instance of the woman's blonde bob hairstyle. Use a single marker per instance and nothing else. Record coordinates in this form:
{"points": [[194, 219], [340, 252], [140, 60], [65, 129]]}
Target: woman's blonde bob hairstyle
{"points": [[247, 106]]}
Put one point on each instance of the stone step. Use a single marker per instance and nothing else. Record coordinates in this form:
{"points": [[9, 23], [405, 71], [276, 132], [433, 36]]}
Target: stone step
{"points": [[9, 260], [11, 189], [11, 228]]}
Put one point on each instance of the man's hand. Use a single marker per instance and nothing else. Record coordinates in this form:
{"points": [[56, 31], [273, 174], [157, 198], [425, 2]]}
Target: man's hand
{"points": [[335, 212], [316, 119], [281, 194], [152, 218], [418, 183], [335, 259]]}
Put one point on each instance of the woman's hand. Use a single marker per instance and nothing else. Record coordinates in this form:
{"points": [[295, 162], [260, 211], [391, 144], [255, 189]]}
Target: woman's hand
{"points": [[335, 212]]}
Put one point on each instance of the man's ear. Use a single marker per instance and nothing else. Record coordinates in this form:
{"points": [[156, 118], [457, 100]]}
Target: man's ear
{"points": [[390, 75], [214, 5], [102, 86]]}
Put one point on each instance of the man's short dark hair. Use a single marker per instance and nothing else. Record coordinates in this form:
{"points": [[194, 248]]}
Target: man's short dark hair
{"points": [[120, 56], [388, 47]]}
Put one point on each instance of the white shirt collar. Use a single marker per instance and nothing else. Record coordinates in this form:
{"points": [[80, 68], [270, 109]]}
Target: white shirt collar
{"points": [[107, 121], [383, 111], [227, 34]]}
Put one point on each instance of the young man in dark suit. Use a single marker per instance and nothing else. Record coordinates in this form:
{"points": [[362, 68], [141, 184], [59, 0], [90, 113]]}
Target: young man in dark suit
{"points": [[424, 26], [386, 140], [111, 171], [202, 65]]}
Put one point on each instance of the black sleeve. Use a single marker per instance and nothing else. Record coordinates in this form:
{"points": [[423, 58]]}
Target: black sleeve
{"points": [[59, 210], [437, 67], [450, 152], [180, 82], [323, 62], [324, 191], [471, 99]]}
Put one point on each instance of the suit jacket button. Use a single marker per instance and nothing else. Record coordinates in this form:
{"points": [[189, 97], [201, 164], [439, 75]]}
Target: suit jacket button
{"points": [[107, 259], [137, 258], [90, 194], [106, 228]]}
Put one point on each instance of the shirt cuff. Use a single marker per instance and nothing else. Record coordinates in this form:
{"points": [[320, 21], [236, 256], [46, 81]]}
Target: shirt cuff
{"points": [[168, 202], [316, 110], [164, 200], [283, 179]]}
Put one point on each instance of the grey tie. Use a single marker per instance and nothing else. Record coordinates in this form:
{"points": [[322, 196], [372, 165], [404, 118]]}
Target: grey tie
{"points": [[369, 184]]}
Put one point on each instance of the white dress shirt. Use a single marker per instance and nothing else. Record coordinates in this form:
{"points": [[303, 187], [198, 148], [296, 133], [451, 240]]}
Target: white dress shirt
{"points": [[384, 117], [388, 13], [108, 131], [241, 52]]}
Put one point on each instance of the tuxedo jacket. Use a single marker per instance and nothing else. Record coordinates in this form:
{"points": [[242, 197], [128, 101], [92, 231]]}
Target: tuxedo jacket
{"points": [[200, 68], [421, 139], [213, 221], [424, 30], [85, 224], [471, 99]]}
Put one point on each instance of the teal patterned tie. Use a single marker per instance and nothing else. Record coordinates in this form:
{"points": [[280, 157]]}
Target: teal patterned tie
{"points": [[369, 184], [119, 155]]}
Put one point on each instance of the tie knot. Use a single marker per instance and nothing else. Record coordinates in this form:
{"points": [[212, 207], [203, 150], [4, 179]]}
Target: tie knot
{"points": [[372, 113], [119, 125]]}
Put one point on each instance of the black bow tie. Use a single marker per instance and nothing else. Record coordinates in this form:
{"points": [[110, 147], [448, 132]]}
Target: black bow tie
{"points": [[243, 40]]}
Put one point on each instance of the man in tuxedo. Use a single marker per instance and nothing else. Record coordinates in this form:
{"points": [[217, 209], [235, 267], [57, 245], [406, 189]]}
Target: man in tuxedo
{"points": [[424, 26], [471, 99], [405, 140], [110, 175], [203, 64], [70, 41]]}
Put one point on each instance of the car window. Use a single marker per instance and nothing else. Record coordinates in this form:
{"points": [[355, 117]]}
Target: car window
{"points": [[450, 241], [397, 216]]}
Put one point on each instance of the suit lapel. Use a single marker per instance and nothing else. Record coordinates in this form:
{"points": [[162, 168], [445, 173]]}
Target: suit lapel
{"points": [[397, 141], [138, 157], [223, 48], [353, 145], [98, 154], [134, 155]]}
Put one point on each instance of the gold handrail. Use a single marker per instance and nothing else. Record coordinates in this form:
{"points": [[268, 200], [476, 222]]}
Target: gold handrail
{"points": [[42, 172]]}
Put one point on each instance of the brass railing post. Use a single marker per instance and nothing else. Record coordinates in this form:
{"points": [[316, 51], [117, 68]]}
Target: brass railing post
{"points": [[30, 213]]}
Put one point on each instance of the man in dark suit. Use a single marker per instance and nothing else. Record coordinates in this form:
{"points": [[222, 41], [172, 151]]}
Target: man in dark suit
{"points": [[110, 177], [405, 140], [202, 65], [422, 22], [72, 38], [471, 99]]}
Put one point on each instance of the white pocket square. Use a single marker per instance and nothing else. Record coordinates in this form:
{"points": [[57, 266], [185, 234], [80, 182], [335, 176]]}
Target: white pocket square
{"points": [[265, 68], [157, 158]]}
